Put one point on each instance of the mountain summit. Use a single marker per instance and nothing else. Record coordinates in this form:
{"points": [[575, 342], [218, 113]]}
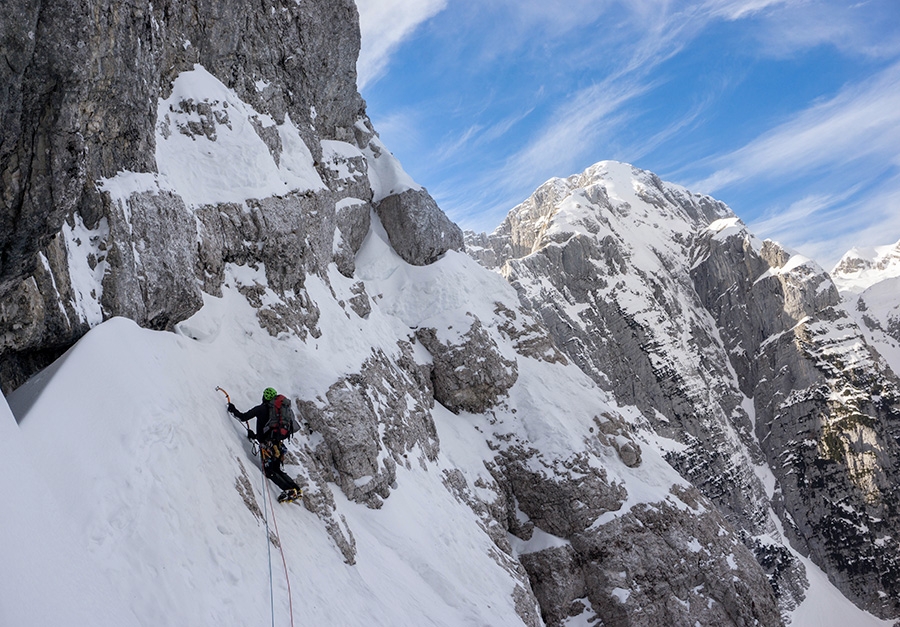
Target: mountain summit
{"points": [[862, 268]]}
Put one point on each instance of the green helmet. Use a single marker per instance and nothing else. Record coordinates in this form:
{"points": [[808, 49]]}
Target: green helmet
{"points": [[269, 394]]}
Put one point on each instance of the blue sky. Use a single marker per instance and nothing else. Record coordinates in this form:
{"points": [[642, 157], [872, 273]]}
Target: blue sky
{"points": [[787, 110]]}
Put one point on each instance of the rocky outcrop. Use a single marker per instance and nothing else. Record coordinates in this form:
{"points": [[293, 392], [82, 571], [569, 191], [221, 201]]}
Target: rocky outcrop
{"points": [[469, 374], [159, 155], [418, 230], [651, 568], [680, 570], [632, 321], [590, 555], [723, 342], [106, 213], [369, 427]]}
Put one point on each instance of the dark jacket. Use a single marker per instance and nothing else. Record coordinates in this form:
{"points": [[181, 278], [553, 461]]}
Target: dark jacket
{"points": [[272, 464], [261, 412]]}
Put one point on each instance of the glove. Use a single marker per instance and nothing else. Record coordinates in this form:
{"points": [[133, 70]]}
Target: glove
{"points": [[250, 435], [232, 409]]}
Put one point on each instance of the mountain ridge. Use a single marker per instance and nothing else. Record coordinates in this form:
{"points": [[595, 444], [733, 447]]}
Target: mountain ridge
{"points": [[740, 298]]}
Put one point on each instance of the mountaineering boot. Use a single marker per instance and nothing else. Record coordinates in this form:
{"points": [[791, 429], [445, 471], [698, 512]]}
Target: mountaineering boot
{"points": [[290, 495]]}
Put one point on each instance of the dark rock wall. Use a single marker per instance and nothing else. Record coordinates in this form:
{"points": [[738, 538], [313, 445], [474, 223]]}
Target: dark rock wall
{"points": [[78, 105], [761, 325], [81, 84]]}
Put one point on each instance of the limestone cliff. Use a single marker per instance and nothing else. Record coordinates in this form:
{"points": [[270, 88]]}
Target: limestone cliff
{"points": [[158, 158], [737, 353]]}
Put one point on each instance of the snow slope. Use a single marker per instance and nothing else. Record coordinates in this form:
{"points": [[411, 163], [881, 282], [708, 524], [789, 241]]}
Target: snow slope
{"points": [[141, 459], [869, 280], [134, 458], [861, 268], [133, 491], [124, 449], [47, 578]]}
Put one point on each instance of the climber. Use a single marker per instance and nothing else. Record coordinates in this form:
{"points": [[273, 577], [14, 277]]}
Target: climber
{"points": [[270, 442]]}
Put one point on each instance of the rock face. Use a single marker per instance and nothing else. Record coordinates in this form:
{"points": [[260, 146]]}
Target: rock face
{"points": [[471, 374], [633, 321], [418, 229], [111, 114], [737, 353], [691, 564], [826, 411], [363, 460]]}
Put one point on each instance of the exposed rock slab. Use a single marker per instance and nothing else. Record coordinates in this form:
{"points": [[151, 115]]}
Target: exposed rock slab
{"points": [[418, 230]]}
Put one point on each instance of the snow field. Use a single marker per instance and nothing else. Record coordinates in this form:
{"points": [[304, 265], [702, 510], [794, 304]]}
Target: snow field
{"points": [[122, 470], [233, 163], [142, 459]]}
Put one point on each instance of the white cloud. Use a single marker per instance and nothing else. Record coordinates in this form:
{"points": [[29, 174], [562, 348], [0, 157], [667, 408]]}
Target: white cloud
{"points": [[623, 45], [861, 122], [574, 131], [825, 227], [846, 153], [384, 25], [738, 9], [869, 28]]}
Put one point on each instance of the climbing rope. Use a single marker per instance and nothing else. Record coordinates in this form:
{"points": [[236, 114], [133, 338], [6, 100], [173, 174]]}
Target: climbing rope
{"points": [[287, 577], [268, 541], [267, 496]]}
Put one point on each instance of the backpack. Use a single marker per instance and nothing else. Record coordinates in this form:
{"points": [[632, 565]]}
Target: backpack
{"points": [[281, 423]]}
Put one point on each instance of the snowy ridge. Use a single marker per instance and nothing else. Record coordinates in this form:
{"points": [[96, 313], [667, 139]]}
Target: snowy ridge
{"points": [[870, 283], [595, 440], [148, 468], [640, 269]]}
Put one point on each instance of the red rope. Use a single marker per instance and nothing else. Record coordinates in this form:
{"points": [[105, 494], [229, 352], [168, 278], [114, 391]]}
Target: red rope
{"points": [[265, 515], [280, 544]]}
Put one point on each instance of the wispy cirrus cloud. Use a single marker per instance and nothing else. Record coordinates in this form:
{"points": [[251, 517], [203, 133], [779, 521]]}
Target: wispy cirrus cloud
{"points": [[832, 172], [868, 28], [534, 90], [861, 123], [384, 25], [825, 226], [738, 9], [577, 125]]}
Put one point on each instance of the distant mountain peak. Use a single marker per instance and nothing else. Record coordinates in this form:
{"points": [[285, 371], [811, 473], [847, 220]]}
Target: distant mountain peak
{"points": [[861, 268]]}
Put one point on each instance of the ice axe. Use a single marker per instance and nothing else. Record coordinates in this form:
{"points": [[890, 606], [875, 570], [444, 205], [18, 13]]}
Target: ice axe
{"points": [[228, 399], [222, 390]]}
